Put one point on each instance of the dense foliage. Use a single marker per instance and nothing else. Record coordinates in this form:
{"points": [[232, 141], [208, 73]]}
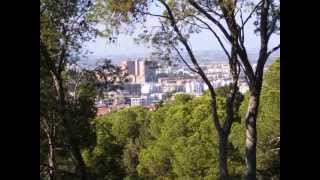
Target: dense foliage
{"points": [[177, 20], [178, 140], [67, 90]]}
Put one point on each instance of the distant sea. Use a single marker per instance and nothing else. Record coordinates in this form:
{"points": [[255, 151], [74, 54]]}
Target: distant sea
{"points": [[206, 57]]}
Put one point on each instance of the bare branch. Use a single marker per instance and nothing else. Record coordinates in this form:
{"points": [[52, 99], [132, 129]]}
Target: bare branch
{"points": [[263, 54], [242, 28], [215, 34], [78, 79], [44, 126], [209, 9], [184, 61], [272, 27], [251, 13], [240, 49], [211, 18], [150, 14], [273, 50], [243, 69], [248, 70], [43, 10], [231, 100], [180, 55], [217, 14], [62, 59], [195, 24], [194, 61], [181, 38]]}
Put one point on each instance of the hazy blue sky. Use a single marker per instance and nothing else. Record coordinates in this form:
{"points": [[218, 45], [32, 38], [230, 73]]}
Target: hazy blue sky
{"points": [[200, 42]]}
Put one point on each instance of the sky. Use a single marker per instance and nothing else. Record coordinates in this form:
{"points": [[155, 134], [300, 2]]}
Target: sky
{"points": [[204, 41]]}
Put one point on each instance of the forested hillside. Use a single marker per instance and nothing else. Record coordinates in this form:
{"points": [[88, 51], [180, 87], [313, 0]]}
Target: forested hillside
{"points": [[178, 140]]}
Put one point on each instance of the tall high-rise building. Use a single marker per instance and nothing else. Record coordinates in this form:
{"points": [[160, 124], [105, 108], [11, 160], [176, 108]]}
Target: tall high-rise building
{"points": [[129, 66], [150, 71], [140, 71], [132, 89]]}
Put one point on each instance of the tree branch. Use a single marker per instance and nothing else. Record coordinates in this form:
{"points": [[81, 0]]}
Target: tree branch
{"points": [[243, 69], [273, 50], [242, 28], [194, 61], [231, 97], [251, 13], [235, 35], [209, 9], [78, 79], [42, 10], [195, 24], [215, 34], [62, 58], [263, 56], [211, 18], [45, 126], [150, 14], [248, 69], [180, 55], [184, 61], [272, 27]]}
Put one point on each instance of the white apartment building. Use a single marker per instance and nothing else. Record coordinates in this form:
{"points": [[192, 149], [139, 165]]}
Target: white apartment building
{"points": [[157, 96], [142, 101], [148, 88], [194, 87], [136, 101]]}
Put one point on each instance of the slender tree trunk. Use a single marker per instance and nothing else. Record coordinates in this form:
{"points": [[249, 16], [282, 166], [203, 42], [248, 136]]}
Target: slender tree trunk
{"points": [[251, 137], [223, 146], [51, 145], [223, 163], [75, 151], [51, 159], [74, 145], [81, 167]]}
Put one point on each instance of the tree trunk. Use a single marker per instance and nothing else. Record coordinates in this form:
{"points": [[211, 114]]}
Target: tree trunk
{"points": [[81, 167], [51, 159], [223, 142], [223, 163], [251, 137], [75, 149], [51, 145], [74, 145]]}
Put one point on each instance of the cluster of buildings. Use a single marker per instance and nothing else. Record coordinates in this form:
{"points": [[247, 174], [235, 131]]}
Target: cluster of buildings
{"points": [[150, 82]]}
